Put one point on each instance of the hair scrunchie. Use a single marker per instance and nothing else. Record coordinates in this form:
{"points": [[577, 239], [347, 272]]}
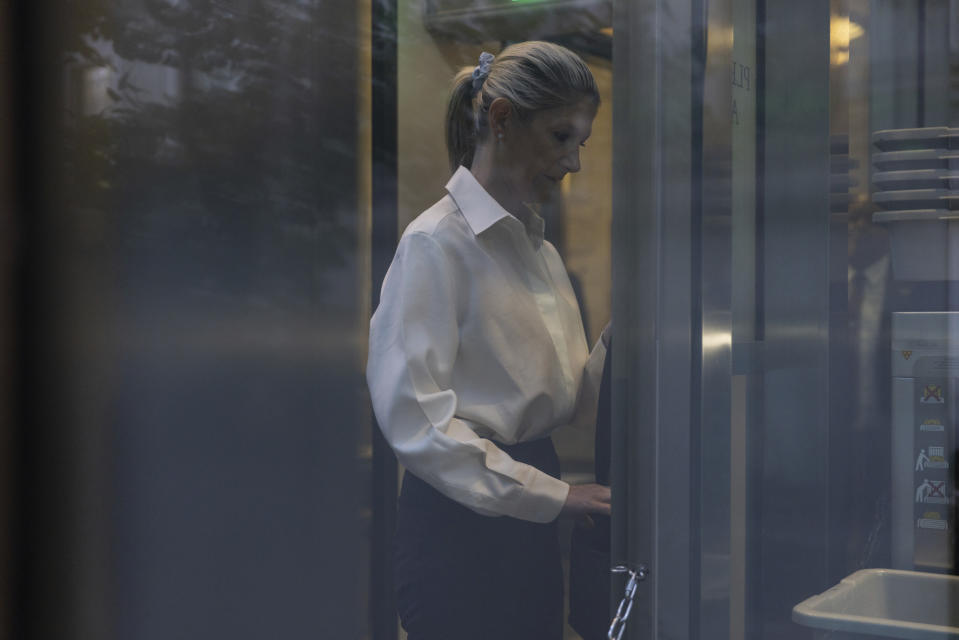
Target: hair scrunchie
{"points": [[481, 71]]}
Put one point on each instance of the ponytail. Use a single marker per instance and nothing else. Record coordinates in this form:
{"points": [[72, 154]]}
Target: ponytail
{"points": [[461, 126]]}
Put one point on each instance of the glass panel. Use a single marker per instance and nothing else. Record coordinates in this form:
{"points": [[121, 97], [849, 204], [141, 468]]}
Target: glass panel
{"points": [[831, 431], [786, 209], [195, 340], [816, 418]]}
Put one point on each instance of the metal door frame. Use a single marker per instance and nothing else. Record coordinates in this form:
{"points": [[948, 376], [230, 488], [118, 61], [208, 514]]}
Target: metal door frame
{"points": [[658, 47], [671, 294]]}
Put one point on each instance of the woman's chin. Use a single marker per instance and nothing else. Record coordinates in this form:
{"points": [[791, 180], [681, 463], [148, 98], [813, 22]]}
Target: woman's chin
{"points": [[546, 191]]}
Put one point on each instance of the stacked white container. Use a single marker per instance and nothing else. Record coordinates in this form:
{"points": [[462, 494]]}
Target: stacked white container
{"points": [[916, 183]]}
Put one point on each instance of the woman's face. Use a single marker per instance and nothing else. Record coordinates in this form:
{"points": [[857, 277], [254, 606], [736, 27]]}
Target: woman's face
{"points": [[543, 149]]}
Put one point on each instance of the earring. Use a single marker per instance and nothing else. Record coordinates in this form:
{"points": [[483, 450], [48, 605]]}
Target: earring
{"points": [[499, 136]]}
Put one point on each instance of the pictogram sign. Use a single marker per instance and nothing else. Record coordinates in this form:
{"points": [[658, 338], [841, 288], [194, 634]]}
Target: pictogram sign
{"points": [[932, 394], [932, 491]]}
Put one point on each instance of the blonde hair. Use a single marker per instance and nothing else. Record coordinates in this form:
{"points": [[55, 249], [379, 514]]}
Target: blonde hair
{"points": [[532, 75]]}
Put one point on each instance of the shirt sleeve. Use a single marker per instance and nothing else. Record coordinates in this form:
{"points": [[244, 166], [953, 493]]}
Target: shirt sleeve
{"points": [[414, 339]]}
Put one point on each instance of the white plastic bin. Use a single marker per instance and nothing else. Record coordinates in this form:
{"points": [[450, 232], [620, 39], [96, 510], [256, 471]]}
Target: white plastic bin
{"points": [[885, 603]]}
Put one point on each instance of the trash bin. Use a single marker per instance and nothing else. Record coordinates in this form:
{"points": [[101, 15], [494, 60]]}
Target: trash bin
{"points": [[884, 603]]}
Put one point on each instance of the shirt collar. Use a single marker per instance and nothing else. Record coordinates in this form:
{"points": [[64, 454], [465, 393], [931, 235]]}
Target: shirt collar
{"points": [[482, 211]]}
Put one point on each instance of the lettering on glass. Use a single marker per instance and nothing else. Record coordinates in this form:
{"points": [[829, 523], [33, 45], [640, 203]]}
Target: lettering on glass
{"points": [[741, 76], [742, 79]]}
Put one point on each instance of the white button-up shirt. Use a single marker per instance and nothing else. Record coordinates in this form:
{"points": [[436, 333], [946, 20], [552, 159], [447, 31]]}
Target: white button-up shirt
{"points": [[478, 337]]}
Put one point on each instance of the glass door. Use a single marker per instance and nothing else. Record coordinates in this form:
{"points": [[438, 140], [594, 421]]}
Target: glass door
{"points": [[785, 195]]}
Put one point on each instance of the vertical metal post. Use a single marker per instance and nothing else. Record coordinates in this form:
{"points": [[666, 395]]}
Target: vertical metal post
{"points": [[384, 231], [796, 385], [712, 492], [655, 195]]}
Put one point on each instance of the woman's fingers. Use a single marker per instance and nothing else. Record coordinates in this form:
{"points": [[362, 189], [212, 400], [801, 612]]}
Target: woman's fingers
{"points": [[586, 499], [602, 506]]}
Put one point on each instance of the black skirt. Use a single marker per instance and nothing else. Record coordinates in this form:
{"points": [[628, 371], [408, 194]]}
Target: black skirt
{"points": [[589, 554], [462, 575]]}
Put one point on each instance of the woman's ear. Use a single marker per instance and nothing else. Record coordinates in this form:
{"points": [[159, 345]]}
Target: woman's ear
{"points": [[500, 113]]}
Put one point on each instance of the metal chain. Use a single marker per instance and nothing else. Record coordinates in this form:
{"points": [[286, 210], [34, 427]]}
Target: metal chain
{"points": [[618, 625]]}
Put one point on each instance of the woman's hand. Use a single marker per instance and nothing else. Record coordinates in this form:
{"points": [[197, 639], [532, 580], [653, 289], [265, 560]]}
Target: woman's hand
{"points": [[584, 499]]}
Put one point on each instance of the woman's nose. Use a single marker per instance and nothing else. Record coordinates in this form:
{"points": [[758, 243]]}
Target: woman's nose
{"points": [[571, 161]]}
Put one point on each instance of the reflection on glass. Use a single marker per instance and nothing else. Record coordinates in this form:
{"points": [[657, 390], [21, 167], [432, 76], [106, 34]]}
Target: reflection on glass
{"points": [[211, 288]]}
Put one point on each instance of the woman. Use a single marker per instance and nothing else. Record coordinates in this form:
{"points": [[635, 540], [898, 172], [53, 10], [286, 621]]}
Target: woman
{"points": [[477, 353]]}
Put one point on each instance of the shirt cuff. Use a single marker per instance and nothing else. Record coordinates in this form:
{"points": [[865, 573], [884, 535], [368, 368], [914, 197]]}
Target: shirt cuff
{"points": [[543, 498]]}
